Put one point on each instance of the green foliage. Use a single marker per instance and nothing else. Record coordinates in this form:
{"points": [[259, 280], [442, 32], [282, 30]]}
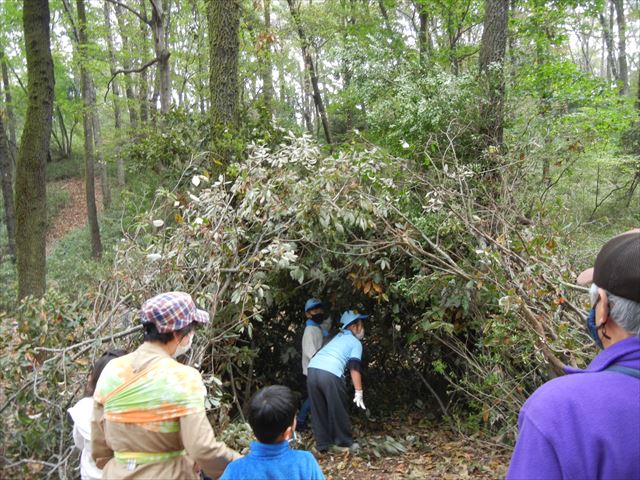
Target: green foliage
{"points": [[419, 108], [57, 198], [65, 168], [171, 147], [38, 418], [70, 267]]}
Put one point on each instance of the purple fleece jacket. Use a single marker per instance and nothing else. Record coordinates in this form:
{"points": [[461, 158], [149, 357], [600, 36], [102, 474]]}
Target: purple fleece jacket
{"points": [[585, 425]]}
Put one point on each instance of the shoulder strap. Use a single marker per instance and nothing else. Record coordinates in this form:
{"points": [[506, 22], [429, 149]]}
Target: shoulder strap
{"points": [[632, 372], [130, 381]]}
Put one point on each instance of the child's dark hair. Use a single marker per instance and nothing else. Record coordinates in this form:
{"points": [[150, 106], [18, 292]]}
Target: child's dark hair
{"points": [[97, 370], [151, 333], [271, 411]]}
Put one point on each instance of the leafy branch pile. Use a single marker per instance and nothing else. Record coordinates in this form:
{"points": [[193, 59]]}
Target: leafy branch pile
{"points": [[467, 302]]}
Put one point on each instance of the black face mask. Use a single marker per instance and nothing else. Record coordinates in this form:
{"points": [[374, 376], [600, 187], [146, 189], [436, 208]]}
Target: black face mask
{"points": [[318, 317]]}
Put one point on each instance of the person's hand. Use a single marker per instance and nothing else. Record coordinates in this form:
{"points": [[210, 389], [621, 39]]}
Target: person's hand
{"points": [[359, 400]]}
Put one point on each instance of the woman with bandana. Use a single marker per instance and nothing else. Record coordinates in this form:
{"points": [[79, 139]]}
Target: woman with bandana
{"points": [[149, 418]]}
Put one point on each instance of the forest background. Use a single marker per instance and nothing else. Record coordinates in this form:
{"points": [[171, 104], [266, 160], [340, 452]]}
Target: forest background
{"points": [[447, 166]]}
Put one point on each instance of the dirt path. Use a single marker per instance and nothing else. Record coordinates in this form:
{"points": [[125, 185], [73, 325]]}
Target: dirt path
{"points": [[74, 214]]}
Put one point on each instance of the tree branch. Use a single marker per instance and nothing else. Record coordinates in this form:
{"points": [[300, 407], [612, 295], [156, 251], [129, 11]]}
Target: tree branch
{"points": [[130, 70], [137, 14], [74, 29], [17, 77]]}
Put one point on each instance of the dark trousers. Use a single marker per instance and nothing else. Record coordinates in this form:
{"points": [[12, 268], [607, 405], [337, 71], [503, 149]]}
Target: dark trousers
{"points": [[329, 409]]}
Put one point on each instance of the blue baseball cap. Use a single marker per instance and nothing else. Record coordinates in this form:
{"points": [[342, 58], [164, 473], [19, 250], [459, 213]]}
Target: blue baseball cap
{"points": [[312, 303], [351, 316]]}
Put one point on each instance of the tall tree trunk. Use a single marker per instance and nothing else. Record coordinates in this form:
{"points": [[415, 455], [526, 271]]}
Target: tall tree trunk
{"points": [[492, 52], [311, 69], [638, 93], [423, 32], [11, 119], [30, 195], [6, 172], [143, 81], [306, 104], [153, 101], [158, 27], [267, 66], [282, 84], [384, 13], [126, 65], [608, 38], [224, 47], [622, 47], [66, 138], [102, 165], [87, 95], [117, 115]]}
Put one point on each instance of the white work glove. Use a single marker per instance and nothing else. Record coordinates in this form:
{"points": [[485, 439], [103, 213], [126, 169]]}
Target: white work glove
{"points": [[359, 400]]}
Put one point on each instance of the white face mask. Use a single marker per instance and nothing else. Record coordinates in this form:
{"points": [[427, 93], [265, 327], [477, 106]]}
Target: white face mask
{"points": [[360, 334], [182, 349]]}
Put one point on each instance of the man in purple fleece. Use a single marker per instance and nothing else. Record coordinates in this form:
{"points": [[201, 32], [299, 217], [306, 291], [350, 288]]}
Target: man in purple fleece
{"points": [[586, 425]]}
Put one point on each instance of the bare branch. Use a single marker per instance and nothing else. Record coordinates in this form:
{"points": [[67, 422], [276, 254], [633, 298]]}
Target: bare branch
{"points": [[17, 77], [74, 29], [130, 70], [136, 13]]}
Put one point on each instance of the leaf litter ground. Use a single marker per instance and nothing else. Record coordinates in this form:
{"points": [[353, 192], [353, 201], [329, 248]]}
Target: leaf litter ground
{"points": [[413, 448], [74, 214]]}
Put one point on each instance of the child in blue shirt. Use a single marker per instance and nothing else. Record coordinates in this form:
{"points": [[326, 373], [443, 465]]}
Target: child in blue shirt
{"points": [[272, 416]]}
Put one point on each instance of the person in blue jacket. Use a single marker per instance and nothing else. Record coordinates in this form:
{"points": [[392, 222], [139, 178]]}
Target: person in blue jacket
{"points": [[272, 416], [326, 384]]}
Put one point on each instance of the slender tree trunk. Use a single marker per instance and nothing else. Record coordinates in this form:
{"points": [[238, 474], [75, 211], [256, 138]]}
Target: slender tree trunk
{"points": [[11, 119], [492, 52], [608, 38], [224, 47], [153, 102], [311, 69], [126, 65], [350, 21], [30, 195], [65, 139], [158, 26], [267, 66], [622, 47], [638, 93], [422, 32], [384, 13], [117, 115], [306, 109], [282, 85], [143, 81], [102, 165], [87, 95], [7, 190]]}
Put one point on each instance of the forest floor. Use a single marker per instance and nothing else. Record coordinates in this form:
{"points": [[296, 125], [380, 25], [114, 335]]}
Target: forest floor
{"points": [[74, 214], [428, 451]]}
